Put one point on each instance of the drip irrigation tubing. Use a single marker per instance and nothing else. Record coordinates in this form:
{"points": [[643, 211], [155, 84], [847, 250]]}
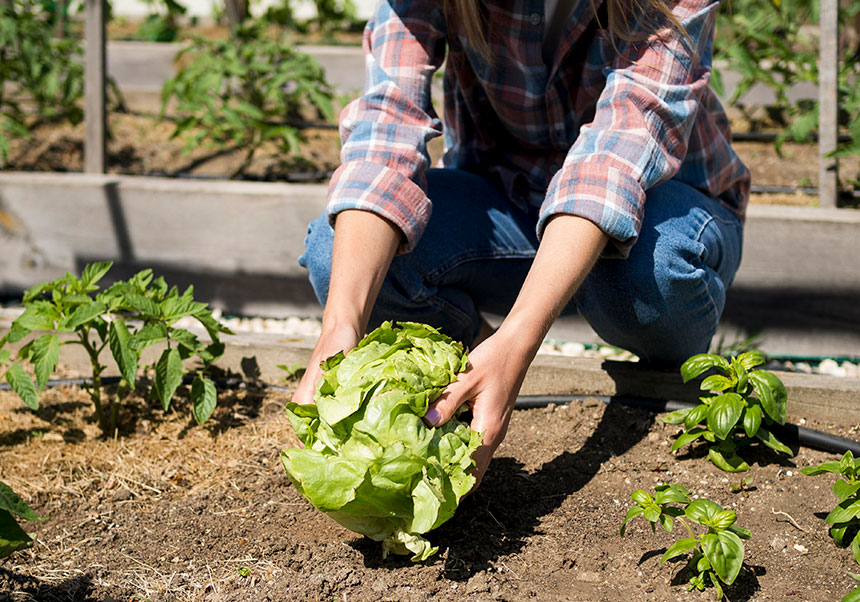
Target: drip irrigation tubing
{"points": [[790, 433]]}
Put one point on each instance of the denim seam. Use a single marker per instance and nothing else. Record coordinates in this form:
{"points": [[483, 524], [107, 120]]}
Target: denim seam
{"points": [[434, 276], [713, 301]]}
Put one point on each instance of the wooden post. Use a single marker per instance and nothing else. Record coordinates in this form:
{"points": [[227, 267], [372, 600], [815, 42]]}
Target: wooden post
{"points": [[828, 68], [95, 110]]}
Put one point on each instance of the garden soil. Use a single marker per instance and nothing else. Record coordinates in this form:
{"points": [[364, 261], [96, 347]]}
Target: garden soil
{"points": [[167, 510]]}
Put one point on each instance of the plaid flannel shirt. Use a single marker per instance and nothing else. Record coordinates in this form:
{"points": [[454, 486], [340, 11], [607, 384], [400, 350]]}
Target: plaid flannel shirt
{"points": [[587, 135]]}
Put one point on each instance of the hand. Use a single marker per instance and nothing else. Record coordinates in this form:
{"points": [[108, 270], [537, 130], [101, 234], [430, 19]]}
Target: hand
{"points": [[329, 343], [490, 385]]}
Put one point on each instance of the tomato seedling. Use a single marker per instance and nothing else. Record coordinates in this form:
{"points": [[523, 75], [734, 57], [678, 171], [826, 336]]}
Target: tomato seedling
{"points": [[126, 318], [744, 401], [715, 556]]}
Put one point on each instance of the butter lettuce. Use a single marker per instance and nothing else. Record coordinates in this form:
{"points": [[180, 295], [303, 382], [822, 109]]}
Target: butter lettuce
{"points": [[369, 461]]}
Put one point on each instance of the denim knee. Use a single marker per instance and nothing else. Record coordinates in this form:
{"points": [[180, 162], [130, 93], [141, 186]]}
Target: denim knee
{"points": [[664, 301], [317, 256]]}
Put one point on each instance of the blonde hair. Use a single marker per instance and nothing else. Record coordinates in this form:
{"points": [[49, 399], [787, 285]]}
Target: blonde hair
{"points": [[619, 14]]}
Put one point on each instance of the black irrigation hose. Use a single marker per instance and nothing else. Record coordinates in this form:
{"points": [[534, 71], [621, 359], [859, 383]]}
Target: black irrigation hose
{"points": [[787, 432]]}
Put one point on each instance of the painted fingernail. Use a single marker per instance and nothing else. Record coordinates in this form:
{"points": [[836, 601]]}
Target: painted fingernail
{"points": [[432, 416]]}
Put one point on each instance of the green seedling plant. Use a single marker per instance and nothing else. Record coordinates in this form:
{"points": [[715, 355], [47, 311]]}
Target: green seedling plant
{"points": [[246, 91], [12, 536], [742, 404], [844, 519], [125, 318], [715, 556]]}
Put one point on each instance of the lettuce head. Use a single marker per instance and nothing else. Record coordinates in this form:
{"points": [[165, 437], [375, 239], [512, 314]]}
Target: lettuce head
{"points": [[369, 461]]}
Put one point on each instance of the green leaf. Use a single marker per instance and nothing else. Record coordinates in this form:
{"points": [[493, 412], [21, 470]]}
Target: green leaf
{"points": [[20, 382], [844, 511], [126, 358], [12, 536], [723, 519], [632, 513], [688, 437], [837, 532], [144, 305], [204, 398], [148, 335], [36, 317], [93, 273], [716, 382], [752, 420], [696, 415], [832, 466], [682, 546], [733, 463], [725, 552], [674, 493], [855, 548], [676, 417], [724, 413], [751, 359], [641, 497], [11, 502], [82, 315], [771, 392], [852, 596], [698, 364], [702, 511], [843, 490], [766, 437], [168, 376], [45, 355]]}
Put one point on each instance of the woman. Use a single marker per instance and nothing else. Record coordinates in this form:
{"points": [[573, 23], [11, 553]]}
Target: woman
{"points": [[587, 166]]}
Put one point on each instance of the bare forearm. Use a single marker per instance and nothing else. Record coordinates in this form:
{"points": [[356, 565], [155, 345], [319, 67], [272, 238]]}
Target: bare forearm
{"points": [[364, 245], [568, 250]]}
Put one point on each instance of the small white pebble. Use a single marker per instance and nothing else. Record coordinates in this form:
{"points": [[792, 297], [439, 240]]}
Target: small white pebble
{"points": [[800, 548], [573, 349], [828, 366], [788, 473]]}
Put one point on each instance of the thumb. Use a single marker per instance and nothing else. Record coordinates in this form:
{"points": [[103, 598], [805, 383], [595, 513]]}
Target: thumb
{"points": [[455, 395]]}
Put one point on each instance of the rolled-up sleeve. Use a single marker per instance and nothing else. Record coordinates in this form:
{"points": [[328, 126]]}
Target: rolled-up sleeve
{"points": [[384, 132], [640, 130]]}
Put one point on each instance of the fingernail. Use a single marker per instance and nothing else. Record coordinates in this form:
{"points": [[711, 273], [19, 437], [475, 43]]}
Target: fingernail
{"points": [[432, 416]]}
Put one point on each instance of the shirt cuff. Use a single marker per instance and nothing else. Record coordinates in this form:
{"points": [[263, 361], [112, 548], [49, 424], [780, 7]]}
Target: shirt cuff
{"points": [[382, 190], [602, 194]]}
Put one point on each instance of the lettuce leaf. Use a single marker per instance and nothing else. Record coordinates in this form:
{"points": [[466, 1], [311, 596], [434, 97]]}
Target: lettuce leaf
{"points": [[369, 461]]}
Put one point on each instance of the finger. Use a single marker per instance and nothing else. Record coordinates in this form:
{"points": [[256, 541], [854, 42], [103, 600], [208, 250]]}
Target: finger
{"points": [[455, 395]]}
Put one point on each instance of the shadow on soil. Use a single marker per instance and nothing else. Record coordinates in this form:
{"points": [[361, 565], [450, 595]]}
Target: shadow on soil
{"points": [[15, 586], [507, 509]]}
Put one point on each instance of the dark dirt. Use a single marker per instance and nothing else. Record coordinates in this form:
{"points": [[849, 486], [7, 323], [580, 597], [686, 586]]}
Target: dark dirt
{"points": [[172, 511]]}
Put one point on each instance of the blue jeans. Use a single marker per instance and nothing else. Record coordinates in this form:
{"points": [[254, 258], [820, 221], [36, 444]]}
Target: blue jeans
{"points": [[663, 302]]}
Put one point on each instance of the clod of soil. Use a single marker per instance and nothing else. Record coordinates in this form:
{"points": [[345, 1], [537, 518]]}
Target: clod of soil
{"points": [[173, 511]]}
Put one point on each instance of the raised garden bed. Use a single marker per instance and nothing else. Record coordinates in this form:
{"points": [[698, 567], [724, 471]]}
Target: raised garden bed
{"points": [[141, 145]]}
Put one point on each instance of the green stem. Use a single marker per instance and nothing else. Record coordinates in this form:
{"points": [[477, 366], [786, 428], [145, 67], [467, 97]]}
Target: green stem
{"points": [[97, 369], [687, 527]]}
